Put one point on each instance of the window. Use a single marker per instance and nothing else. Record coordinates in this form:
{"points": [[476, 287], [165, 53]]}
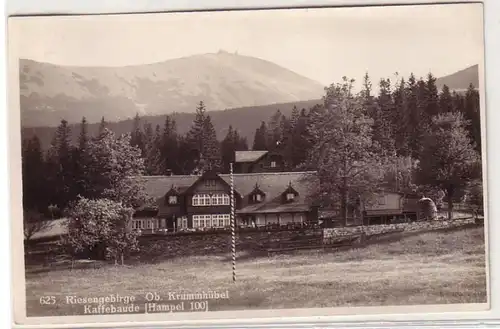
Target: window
{"points": [[202, 200], [273, 164], [202, 221], [381, 200], [206, 200], [257, 197], [172, 199], [216, 199], [290, 196], [227, 220], [220, 199], [220, 219], [210, 182]]}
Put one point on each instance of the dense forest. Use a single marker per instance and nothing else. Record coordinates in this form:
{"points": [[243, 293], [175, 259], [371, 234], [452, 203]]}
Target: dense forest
{"points": [[409, 135]]}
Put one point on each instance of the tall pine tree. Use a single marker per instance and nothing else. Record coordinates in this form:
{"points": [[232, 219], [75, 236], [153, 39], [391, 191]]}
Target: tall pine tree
{"points": [[60, 163], [34, 179], [260, 138], [137, 136], [472, 113]]}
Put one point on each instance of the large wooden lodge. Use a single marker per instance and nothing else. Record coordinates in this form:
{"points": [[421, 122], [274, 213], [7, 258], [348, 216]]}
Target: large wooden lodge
{"points": [[203, 202], [265, 195]]}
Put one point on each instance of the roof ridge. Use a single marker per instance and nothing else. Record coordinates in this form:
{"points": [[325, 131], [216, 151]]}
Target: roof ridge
{"points": [[167, 176], [282, 173]]}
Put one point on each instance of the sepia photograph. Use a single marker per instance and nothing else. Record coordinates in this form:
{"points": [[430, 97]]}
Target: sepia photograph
{"points": [[249, 160]]}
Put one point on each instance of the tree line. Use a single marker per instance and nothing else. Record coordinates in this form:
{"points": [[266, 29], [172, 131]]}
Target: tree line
{"points": [[356, 141]]}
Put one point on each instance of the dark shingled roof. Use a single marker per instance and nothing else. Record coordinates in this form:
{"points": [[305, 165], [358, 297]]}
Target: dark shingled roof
{"points": [[272, 184], [249, 156]]}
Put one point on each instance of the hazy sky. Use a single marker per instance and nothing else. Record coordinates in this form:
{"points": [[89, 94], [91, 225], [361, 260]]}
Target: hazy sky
{"points": [[322, 44]]}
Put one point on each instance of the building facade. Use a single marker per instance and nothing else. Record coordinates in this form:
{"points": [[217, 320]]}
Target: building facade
{"points": [[203, 202], [258, 162], [389, 206]]}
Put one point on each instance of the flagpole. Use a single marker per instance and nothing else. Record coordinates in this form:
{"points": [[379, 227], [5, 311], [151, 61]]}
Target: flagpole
{"points": [[233, 235]]}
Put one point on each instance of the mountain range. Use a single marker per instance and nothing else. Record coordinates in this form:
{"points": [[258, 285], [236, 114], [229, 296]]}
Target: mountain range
{"points": [[460, 81], [238, 90], [246, 120], [50, 93]]}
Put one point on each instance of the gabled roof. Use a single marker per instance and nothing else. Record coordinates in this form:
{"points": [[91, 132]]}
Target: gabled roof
{"points": [[272, 184], [249, 156], [158, 186]]}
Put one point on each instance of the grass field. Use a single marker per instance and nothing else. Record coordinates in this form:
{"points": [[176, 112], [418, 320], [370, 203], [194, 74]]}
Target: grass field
{"points": [[431, 268]]}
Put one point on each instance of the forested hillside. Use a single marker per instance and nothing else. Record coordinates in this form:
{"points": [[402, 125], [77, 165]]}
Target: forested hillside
{"points": [[410, 135]]}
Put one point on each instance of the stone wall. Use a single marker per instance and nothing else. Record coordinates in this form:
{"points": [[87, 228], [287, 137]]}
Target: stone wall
{"points": [[407, 227], [214, 243], [253, 243]]}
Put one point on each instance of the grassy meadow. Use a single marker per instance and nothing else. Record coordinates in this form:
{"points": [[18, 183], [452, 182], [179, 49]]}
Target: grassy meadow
{"points": [[429, 268]]}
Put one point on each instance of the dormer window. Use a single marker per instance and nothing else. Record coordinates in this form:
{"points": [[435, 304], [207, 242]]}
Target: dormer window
{"points": [[257, 195], [172, 196], [273, 164], [289, 194]]}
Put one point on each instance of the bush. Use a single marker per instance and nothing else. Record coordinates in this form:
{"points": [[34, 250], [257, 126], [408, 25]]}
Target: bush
{"points": [[100, 229]]}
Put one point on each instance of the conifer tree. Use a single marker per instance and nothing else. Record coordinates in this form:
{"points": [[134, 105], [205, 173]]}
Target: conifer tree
{"points": [[102, 126], [458, 102], [137, 136], [60, 164], [34, 179], [274, 131], [432, 101], [382, 111], [445, 100], [80, 159], [210, 146], [416, 92], [294, 117], [300, 141], [473, 116], [152, 162], [260, 139], [402, 129]]}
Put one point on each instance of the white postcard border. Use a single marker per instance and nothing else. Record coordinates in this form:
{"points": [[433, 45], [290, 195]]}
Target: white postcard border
{"points": [[402, 313]]}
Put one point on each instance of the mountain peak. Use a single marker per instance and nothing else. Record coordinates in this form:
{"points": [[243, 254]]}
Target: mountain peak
{"points": [[460, 80], [222, 80]]}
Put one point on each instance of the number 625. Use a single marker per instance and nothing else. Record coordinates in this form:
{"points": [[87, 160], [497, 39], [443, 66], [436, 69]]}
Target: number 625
{"points": [[47, 300]]}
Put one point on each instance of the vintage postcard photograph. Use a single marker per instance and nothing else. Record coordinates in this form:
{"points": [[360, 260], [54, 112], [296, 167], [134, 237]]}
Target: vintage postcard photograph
{"points": [[198, 165]]}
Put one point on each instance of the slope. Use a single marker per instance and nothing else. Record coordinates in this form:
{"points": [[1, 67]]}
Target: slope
{"points": [[50, 92]]}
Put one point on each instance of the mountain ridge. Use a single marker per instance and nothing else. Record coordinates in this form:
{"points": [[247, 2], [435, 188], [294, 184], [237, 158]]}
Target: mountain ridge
{"points": [[222, 80], [245, 120], [460, 80]]}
